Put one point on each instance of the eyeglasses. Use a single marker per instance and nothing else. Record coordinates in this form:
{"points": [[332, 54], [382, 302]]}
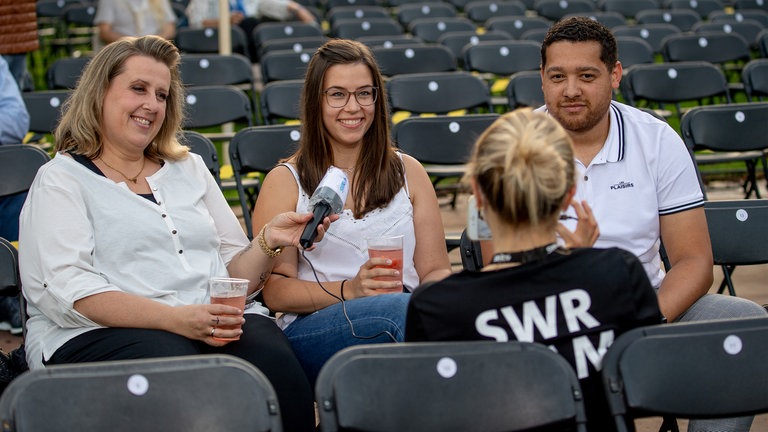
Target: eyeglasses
{"points": [[338, 97]]}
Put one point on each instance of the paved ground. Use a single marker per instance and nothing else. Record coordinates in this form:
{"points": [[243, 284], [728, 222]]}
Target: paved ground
{"points": [[750, 281]]}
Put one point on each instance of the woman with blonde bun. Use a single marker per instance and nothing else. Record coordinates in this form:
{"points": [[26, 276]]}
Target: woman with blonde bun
{"points": [[575, 300]]}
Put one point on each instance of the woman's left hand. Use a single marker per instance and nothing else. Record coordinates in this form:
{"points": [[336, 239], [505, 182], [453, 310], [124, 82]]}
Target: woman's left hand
{"points": [[586, 232], [285, 229]]}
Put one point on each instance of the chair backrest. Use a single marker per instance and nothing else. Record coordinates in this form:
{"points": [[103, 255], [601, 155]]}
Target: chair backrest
{"points": [[684, 19], [634, 50], [759, 15], [737, 230], [200, 144], [389, 41], [64, 72], [410, 11], [357, 12], [350, 28], [748, 29], [755, 78], [18, 167], [609, 19], [216, 105], [726, 127], [446, 140], [430, 29], [459, 386], [194, 393], [10, 281], [285, 64], [206, 40], [502, 57], [330, 4], [294, 44], [481, 11], [713, 47], [750, 4], [701, 7], [419, 58], [653, 33], [280, 100], [256, 150], [457, 40], [628, 8], [674, 83], [524, 89], [762, 42], [44, 109], [677, 369], [557, 9], [267, 31], [216, 69], [439, 92], [515, 26]]}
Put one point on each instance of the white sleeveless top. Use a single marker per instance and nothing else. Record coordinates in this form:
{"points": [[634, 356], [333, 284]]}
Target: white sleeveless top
{"points": [[343, 248]]}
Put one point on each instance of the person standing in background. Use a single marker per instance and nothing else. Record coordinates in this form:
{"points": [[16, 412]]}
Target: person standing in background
{"points": [[118, 18], [18, 36]]}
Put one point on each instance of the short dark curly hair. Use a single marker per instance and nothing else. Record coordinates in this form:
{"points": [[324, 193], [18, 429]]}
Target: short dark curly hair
{"points": [[582, 29]]}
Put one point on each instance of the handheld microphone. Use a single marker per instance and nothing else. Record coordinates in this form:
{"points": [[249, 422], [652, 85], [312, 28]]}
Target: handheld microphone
{"points": [[328, 198]]}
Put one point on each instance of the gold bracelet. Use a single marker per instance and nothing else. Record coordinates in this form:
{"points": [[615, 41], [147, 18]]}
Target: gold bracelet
{"points": [[272, 253]]}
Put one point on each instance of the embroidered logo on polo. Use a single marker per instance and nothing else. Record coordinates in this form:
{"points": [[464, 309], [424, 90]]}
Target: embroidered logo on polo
{"points": [[622, 185]]}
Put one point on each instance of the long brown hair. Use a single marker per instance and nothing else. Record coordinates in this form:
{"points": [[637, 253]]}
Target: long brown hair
{"points": [[381, 171], [80, 125]]}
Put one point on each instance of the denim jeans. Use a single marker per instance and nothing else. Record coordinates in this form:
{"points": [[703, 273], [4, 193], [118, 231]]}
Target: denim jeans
{"points": [[318, 336]]}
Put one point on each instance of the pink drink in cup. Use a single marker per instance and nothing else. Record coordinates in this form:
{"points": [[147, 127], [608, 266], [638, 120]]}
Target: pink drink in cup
{"points": [[231, 292], [390, 248]]}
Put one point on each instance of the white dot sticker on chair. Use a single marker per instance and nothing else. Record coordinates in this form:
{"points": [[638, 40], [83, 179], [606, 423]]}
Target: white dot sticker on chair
{"points": [[454, 127], [732, 344], [667, 17], [703, 42], [563, 4], [672, 73], [204, 63], [295, 135], [425, 9], [366, 25], [493, 7], [297, 47], [433, 86], [446, 367], [693, 4], [55, 102], [644, 33], [474, 40], [742, 215], [518, 24], [410, 53], [504, 51], [727, 28], [191, 99], [137, 385], [288, 30], [739, 116], [209, 32], [305, 57], [442, 26]]}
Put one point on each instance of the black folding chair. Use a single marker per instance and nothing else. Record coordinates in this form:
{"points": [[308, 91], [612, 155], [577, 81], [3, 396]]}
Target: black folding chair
{"points": [[737, 230], [459, 386], [192, 393], [255, 151], [707, 369]]}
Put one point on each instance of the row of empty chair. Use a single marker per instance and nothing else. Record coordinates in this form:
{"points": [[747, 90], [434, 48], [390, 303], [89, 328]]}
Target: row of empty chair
{"points": [[660, 370]]}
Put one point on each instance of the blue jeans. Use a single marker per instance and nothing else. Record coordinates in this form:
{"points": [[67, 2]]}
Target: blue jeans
{"points": [[317, 336]]}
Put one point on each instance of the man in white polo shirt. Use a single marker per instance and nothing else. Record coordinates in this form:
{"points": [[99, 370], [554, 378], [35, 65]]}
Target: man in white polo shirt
{"points": [[637, 176]]}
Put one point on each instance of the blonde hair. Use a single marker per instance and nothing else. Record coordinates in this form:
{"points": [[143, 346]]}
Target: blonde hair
{"points": [[523, 164], [80, 128]]}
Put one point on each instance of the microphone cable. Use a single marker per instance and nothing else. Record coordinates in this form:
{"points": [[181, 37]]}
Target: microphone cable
{"points": [[344, 306]]}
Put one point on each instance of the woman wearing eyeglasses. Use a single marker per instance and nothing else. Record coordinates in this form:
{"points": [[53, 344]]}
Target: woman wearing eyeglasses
{"points": [[345, 123]]}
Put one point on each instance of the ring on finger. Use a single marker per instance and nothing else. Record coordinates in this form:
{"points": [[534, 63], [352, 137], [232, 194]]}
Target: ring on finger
{"points": [[213, 330]]}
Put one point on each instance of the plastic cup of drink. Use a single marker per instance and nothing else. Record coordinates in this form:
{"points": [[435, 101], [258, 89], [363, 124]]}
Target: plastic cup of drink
{"points": [[231, 292], [388, 247]]}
